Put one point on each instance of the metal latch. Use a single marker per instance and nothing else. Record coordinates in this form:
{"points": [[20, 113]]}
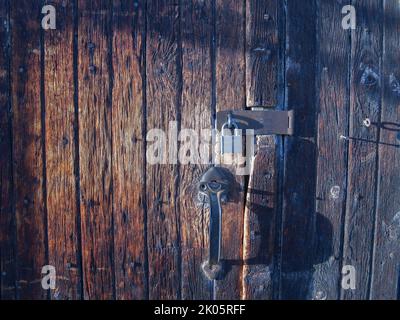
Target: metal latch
{"points": [[263, 122], [216, 184]]}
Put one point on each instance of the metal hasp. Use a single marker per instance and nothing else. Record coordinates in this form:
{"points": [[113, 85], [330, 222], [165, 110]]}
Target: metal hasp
{"points": [[215, 185], [263, 122]]}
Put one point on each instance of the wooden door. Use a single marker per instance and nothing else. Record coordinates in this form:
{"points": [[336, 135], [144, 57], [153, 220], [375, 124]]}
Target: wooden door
{"points": [[78, 191]]}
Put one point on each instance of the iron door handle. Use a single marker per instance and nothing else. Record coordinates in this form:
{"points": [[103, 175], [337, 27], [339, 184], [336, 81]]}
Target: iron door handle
{"points": [[215, 186]]}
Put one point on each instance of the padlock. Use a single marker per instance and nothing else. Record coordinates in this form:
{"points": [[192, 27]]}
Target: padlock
{"points": [[231, 143]]}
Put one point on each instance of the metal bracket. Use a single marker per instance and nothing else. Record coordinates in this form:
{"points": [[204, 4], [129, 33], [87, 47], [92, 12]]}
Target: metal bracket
{"points": [[263, 122]]}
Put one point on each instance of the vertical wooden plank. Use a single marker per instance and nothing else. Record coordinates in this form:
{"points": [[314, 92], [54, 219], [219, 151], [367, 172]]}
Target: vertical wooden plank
{"points": [[94, 99], [129, 149], [197, 28], [386, 272], [62, 211], [28, 147], [7, 218], [299, 155], [262, 53], [332, 72], [163, 101], [230, 94], [259, 223], [365, 102]]}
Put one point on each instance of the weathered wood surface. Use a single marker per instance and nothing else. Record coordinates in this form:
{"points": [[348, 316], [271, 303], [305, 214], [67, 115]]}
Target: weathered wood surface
{"points": [[60, 145], [387, 231], [196, 114], [78, 192], [299, 179], [260, 213], [95, 147], [262, 52], [128, 144], [7, 219], [332, 122], [365, 103], [164, 84], [260, 222], [230, 94], [28, 147]]}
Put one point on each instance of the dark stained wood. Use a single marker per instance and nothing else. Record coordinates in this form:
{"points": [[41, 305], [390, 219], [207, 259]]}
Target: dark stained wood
{"points": [[7, 218], [259, 223], [385, 272], [163, 103], [197, 28], [365, 102], [62, 211], [332, 122], [230, 94], [95, 140], [129, 150], [28, 148], [262, 52], [299, 155], [78, 192]]}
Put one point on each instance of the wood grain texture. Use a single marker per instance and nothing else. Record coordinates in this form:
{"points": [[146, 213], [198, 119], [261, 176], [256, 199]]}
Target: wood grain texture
{"points": [[95, 144], [129, 149], [62, 210], [197, 28], [332, 122], [78, 192], [163, 103], [230, 94], [262, 52], [259, 223], [7, 217], [365, 102], [28, 148], [387, 231], [299, 155]]}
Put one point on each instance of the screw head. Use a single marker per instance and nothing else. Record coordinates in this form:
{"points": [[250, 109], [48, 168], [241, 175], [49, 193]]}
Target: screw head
{"points": [[367, 122]]}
